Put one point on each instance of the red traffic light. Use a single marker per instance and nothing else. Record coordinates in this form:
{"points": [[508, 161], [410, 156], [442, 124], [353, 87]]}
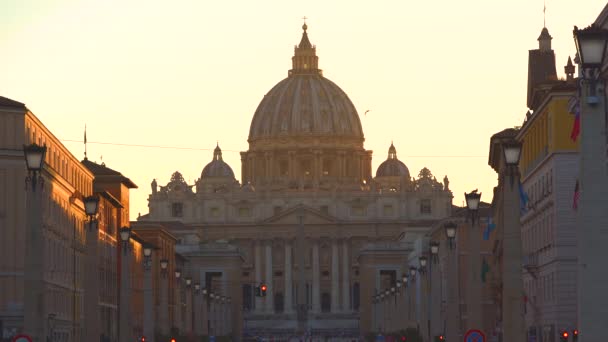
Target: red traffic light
{"points": [[402, 338], [173, 340], [441, 338], [575, 332], [143, 339], [263, 288], [565, 334]]}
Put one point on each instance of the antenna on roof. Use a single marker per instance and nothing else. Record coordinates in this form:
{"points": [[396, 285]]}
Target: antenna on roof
{"points": [[544, 13], [85, 141]]}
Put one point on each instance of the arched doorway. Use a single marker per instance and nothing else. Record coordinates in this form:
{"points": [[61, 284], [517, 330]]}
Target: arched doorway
{"points": [[325, 302]]}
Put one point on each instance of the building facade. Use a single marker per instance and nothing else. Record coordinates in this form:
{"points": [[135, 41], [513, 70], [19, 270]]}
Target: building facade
{"points": [[549, 168], [307, 191], [66, 182]]}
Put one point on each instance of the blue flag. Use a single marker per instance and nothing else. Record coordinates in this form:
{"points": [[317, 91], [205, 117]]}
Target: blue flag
{"points": [[489, 228], [523, 199]]}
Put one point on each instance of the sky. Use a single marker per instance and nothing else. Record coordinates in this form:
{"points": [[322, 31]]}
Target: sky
{"points": [[438, 77]]}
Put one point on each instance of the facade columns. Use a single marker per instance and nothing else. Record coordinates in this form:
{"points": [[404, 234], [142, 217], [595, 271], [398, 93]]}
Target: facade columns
{"points": [[270, 292], [453, 317], [346, 299], [178, 307], [258, 273], [474, 293], [288, 307], [335, 277], [205, 312], [316, 298]]}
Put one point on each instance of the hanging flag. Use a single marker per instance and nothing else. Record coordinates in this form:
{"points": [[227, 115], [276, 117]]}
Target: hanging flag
{"points": [[489, 228], [523, 199], [574, 108], [485, 268], [576, 196]]}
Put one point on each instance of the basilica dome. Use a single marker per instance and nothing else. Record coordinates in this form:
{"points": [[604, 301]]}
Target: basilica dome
{"points": [[305, 104], [217, 167], [392, 167]]}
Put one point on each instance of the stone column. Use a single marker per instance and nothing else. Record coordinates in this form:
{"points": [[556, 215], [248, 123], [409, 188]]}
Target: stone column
{"points": [[148, 301], [335, 277], [178, 306], [453, 317], [163, 312], [268, 281], [288, 278], [124, 318], [188, 320], [316, 285], [345, 278], [91, 294], [512, 307], [258, 274], [212, 326], [198, 322], [474, 292], [35, 316], [205, 312]]}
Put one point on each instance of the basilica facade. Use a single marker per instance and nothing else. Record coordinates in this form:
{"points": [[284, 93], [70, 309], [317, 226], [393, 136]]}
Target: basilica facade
{"points": [[308, 218]]}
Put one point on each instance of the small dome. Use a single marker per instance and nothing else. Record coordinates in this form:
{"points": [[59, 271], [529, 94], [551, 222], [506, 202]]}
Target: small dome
{"points": [[217, 167], [392, 167]]}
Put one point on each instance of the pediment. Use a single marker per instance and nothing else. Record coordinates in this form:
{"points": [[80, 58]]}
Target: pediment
{"points": [[291, 216]]}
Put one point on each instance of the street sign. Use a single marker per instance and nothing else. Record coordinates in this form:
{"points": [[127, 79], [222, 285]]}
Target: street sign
{"points": [[22, 338], [474, 335]]}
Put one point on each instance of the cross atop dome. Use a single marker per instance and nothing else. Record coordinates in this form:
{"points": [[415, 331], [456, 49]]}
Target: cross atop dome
{"points": [[305, 60], [217, 153]]}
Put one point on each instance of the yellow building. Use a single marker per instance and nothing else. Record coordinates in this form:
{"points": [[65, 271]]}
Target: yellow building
{"points": [[549, 169]]}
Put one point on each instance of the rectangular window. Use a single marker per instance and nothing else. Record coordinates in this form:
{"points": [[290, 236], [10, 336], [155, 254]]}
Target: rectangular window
{"points": [[358, 211], [177, 210], [388, 210], [244, 212], [425, 206], [214, 212]]}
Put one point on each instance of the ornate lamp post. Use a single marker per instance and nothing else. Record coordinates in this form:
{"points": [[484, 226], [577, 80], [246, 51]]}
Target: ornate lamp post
{"points": [[178, 301], [591, 45], [148, 294], [474, 306], [512, 287], [124, 319], [163, 310], [433, 308], [35, 301], [91, 285], [452, 318]]}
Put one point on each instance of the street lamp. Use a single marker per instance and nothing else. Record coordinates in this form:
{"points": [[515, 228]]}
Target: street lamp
{"points": [[591, 48], [512, 153], [34, 160], [164, 263], [434, 247], [423, 261], [413, 273], [147, 257], [450, 233], [472, 199], [197, 288], [591, 45], [91, 208], [404, 279], [188, 282], [125, 235], [178, 274]]}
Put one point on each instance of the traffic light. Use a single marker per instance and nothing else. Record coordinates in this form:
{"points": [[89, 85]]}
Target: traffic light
{"points": [[143, 339], [439, 338], [263, 289], [257, 292], [173, 340], [575, 335], [563, 337], [403, 339]]}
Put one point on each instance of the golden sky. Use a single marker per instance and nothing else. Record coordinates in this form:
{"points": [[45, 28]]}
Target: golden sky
{"points": [[439, 77]]}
